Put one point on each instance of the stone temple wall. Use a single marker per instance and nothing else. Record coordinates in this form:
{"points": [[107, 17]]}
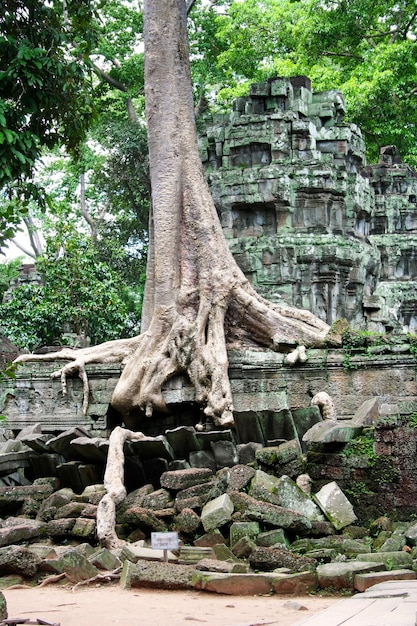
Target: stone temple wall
{"points": [[263, 388], [307, 220]]}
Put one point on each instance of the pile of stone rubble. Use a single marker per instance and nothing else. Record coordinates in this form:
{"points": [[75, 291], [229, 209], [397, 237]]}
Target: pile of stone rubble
{"points": [[241, 530]]}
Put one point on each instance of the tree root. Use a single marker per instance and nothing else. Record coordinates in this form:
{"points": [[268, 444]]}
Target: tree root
{"points": [[114, 484], [108, 577]]}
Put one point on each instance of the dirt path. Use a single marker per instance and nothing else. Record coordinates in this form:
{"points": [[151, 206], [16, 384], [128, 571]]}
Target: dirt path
{"points": [[108, 605]]}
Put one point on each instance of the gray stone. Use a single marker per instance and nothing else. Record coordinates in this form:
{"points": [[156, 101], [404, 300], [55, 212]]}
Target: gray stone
{"points": [[18, 560], [225, 453], [391, 560], [105, 560], [203, 459], [152, 447], [183, 440], [19, 529], [76, 567], [367, 413], [342, 575], [90, 449], [292, 497], [330, 431], [270, 514], [217, 512], [61, 444], [335, 505], [181, 479], [238, 530]]}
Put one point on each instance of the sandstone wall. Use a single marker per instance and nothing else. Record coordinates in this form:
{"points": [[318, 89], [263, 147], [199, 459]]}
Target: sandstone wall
{"points": [[260, 381]]}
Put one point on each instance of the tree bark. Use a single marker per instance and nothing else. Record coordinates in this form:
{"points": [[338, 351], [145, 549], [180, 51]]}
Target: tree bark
{"points": [[197, 300]]}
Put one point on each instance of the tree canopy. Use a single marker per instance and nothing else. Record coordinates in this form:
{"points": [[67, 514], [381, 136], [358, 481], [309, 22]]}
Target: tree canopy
{"points": [[366, 49]]}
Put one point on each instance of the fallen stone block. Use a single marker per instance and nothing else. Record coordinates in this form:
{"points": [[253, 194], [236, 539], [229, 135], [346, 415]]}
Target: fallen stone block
{"points": [[362, 582], [217, 512], [181, 479], [391, 560], [234, 584], [299, 583], [335, 505], [342, 575], [161, 575]]}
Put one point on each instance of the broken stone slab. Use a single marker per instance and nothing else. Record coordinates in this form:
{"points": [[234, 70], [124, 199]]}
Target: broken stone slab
{"points": [[159, 499], [344, 545], [190, 555], [239, 477], [227, 567], [269, 559], [206, 438], [90, 449], [300, 583], [391, 560], [210, 539], [330, 431], [273, 538], [84, 528], [187, 521], [136, 552], [234, 584], [270, 514], [362, 582], [76, 566], [37, 441], [225, 453], [223, 553], [367, 413], [104, 559], [181, 479], [18, 560], [17, 530], [247, 452], [294, 498], [151, 448], [193, 497], [13, 498], [60, 528], [161, 575], [265, 480], [342, 575], [217, 512], [238, 530], [335, 506], [183, 440], [13, 461], [279, 455], [203, 459], [61, 444], [144, 519]]}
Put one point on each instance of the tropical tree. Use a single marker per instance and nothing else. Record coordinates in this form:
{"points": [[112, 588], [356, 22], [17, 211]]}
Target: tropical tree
{"points": [[197, 301], [78, 298], [44, 98]]}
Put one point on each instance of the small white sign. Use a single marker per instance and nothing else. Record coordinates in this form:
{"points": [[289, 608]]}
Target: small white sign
{"points": [[164, 541]]}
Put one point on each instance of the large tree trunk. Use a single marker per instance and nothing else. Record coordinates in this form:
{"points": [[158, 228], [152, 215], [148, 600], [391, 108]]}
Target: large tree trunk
{"points": [[197, 300]]}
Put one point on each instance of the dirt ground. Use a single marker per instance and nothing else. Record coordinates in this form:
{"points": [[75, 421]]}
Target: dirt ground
{"points": [[108, 605]]}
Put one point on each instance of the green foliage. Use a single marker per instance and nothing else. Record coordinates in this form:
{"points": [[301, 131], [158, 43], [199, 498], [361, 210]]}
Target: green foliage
{"points": [[358, 490], [9, 271], [362, 446], [45, 95], [366, 49], [80, 294]]}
